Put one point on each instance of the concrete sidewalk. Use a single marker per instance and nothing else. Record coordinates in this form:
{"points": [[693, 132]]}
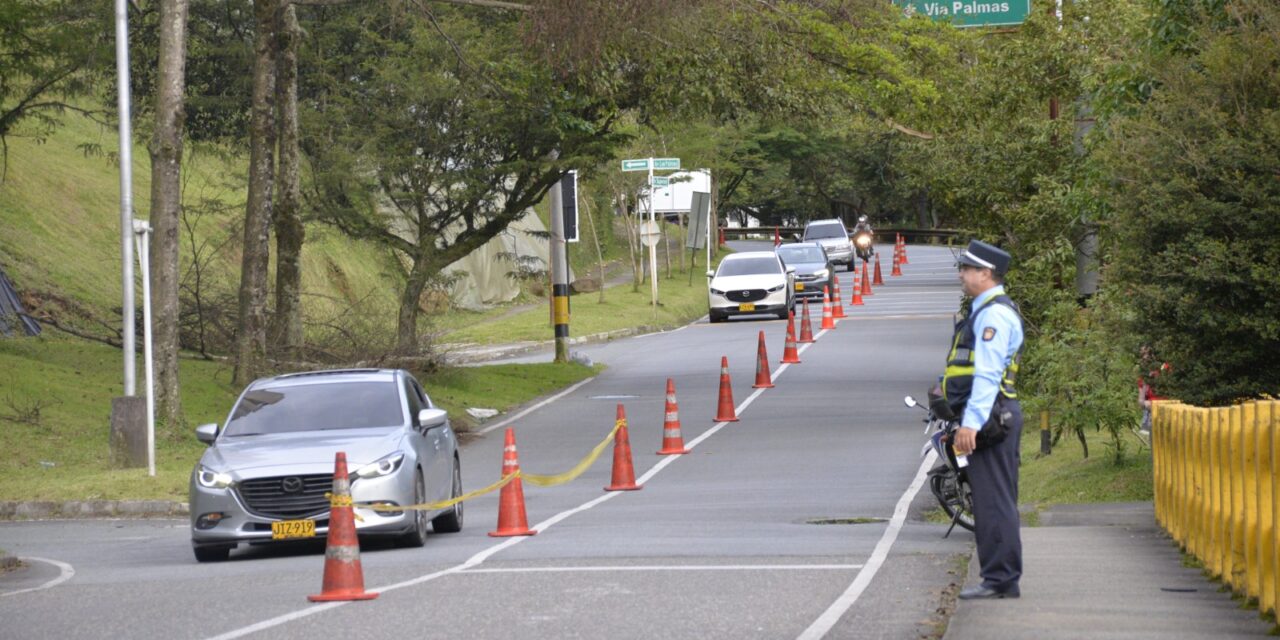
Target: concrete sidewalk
{"points": [[1104, 571]]}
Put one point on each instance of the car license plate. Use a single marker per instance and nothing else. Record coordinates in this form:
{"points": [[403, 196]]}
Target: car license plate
{"points": [[747, 306], [799, 286], [288, 529]]}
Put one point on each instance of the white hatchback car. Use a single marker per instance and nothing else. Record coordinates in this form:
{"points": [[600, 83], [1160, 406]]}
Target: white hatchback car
{"points": [[749, 283]]}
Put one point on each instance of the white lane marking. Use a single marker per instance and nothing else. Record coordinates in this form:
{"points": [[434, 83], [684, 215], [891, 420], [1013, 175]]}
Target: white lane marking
{"points": [[832, 615], [677, 567], [480, 557], [65, 573], [535, 407]]}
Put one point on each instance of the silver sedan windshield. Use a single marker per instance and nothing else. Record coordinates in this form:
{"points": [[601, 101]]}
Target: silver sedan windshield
{"points": [[316, 407]]}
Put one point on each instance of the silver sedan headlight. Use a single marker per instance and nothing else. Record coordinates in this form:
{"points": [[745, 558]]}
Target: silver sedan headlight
{"points": [[210, 479], [383, 467], [821, 274]]}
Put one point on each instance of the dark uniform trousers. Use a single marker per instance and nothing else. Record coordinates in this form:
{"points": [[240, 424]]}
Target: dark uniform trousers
{"points": [[993, 476]]}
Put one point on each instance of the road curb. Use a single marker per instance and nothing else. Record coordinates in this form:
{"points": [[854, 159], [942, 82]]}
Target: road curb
{"points": [[470, 354], [49, 509]]}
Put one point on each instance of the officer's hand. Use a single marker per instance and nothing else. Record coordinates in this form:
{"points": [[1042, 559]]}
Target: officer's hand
{"points": [[965, 441]]}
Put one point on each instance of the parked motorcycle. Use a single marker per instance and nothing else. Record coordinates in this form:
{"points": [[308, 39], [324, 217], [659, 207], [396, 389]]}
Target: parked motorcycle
{"points": [[948, 480]]}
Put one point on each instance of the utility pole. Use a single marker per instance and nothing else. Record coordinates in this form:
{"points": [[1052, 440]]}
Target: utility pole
{"points": [[126, 195], [559, 275]]}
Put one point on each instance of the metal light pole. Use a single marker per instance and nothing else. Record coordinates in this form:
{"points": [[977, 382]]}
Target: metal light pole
{"points": [[126, 195], [653, 248]]}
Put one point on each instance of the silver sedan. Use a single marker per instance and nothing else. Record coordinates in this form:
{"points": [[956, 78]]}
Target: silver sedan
{"points": [[264, 476]]}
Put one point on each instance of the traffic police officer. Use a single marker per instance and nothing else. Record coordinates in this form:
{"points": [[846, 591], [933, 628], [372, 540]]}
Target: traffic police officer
{"points": [[978, 385]]}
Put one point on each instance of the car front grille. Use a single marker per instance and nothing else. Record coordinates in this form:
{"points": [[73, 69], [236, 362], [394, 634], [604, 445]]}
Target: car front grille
{"points": [[746, 295], [271, 497]]}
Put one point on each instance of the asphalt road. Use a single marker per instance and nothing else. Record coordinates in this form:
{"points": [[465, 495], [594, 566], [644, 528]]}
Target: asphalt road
{"points": [[720, 543]]}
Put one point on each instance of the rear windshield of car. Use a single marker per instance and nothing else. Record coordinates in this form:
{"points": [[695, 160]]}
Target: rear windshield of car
{"points": [[748, 267], [800, 255], [317, 407], [829, 230]]}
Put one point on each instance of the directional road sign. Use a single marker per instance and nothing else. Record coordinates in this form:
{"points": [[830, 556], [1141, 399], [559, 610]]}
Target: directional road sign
{"points": [[969, 13], [666, 163], [641, 164], [661, 181]]}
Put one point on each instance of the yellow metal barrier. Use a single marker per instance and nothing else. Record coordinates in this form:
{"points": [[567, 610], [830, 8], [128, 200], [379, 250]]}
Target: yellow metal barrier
{"points": [[1217, 490]]}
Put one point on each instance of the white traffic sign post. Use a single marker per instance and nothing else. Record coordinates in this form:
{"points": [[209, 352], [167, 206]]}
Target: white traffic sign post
{"points": [[650, 164]]}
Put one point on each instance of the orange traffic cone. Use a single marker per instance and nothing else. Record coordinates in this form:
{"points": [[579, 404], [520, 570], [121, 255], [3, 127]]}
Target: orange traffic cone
{"points": [[866, 280], [789, 353], [827, 321], [903, 242], [725, 412], [763, 379], [721, 236], [672, 441], [343, 577], [897, 261], [857, 291], [511, 518], [879, 280], [777, 239], [837, 309], [806, 327], [624, 475]]}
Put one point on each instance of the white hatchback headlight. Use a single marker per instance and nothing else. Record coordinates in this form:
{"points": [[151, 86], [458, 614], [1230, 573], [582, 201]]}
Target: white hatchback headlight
{"points": [[717, 292], [210, 479], [383, 467], [778, 288]]}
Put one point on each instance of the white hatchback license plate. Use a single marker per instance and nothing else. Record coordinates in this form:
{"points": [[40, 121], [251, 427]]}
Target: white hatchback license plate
{"points": [[747, 306]]}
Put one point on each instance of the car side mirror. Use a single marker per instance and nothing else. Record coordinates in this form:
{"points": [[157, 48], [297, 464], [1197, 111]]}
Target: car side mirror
{"points": [[710, 273], [432, 418], [207, 433]]}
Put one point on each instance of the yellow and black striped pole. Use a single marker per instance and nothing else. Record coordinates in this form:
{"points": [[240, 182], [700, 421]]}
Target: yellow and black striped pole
{"points": [[559, 275]]}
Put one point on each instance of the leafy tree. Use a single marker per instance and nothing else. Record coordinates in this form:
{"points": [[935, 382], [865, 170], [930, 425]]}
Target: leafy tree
{"points": [[51, 53], [431, 144], [1195, 197]]}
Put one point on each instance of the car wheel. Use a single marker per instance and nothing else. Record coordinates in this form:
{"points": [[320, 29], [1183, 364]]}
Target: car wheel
{"points": [[852, 266], [211, 554], [417, 536], [451, 520], [713, 317]]}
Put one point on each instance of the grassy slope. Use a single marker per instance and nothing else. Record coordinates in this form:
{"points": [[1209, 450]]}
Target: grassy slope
{"points": [[59, 212], [1065, 476]]}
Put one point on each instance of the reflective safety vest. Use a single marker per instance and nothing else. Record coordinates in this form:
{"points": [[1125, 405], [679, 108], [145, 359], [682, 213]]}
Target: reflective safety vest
{"points": [[957, 381]]}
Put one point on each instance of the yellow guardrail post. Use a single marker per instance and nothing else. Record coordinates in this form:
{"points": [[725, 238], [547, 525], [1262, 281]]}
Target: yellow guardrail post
{"points": [[1266, 523], [1158, 465], [1232, 417], [1272, 420], [1249, 428], [1219, 493], [1196, 521], [1184, 485], [1213, 495], [1225, 449]]}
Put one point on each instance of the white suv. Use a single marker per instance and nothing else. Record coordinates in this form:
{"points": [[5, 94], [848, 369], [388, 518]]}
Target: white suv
{"points": [[834, 238]]}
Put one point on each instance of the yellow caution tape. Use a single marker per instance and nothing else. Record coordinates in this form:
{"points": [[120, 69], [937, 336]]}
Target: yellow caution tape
{"points": [[338, 501], [551, 481], [541, 481], [434, 506]]}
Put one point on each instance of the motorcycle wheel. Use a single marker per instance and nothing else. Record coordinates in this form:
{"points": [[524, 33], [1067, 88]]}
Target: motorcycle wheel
{"points": [[953, 496]]}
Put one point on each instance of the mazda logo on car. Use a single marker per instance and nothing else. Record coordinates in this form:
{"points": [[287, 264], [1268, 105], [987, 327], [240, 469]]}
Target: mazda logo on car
{"points": [[291, 484]]}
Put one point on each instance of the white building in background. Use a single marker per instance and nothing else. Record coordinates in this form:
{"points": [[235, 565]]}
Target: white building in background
{"points": [[677, 197]]}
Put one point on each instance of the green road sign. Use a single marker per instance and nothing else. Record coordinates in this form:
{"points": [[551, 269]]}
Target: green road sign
{"points": [[969, 13], [661, 181], [636, 165], [666, 163]]}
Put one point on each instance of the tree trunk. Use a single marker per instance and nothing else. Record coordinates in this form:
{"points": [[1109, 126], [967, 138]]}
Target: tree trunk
{"points": [[251, 338], [407, 329], [166, 207], [286, 324]]}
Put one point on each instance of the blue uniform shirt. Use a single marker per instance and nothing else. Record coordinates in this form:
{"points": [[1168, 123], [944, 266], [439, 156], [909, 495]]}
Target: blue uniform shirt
{"points": [[990, 355]]}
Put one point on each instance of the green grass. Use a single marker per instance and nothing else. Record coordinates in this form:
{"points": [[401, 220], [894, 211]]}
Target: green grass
{"points": [[62, 453], [679, 302], [1066, 477]]}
